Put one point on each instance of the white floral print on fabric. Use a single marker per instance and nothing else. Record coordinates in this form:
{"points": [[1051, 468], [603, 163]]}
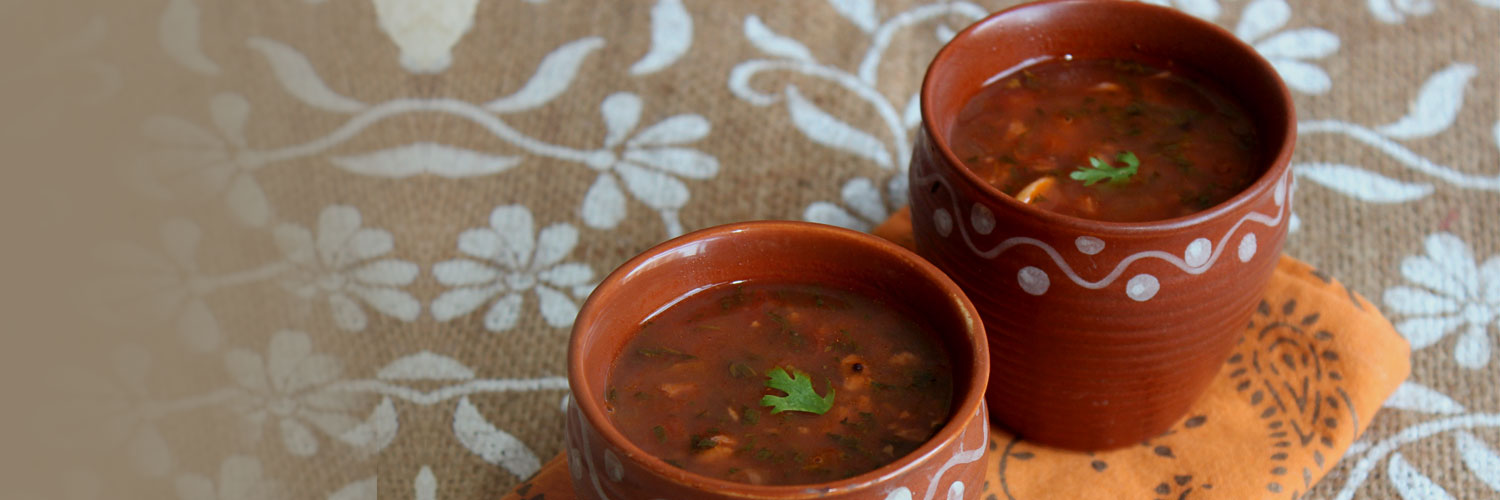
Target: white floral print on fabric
{"points": [[289, 387], [1206, 9], [180, 36], [340, 262], [512, 259], [671, 37], [425, 31], [240, 478], [166, 286], [862, 209], [1455, 294], [193, 163], [647, 163], [1288, 51]]}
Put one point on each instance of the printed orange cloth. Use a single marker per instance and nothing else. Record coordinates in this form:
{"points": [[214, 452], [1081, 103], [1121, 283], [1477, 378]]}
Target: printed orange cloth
{"points": [[1315, 364]]}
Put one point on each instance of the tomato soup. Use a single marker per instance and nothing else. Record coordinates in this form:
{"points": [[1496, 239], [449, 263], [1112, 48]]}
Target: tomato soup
{"points": [[771, 383], [1108, 139]]}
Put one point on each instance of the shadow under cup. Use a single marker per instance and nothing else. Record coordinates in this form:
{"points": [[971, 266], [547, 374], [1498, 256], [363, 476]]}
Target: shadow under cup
{"points": [[1101, 334]]}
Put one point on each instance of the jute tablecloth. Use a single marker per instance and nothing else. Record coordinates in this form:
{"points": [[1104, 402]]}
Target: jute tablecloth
{"points": [[316, 249]]}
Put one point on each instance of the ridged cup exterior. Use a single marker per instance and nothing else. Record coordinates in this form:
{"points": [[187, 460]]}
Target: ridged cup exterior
{"points": [[1101, 334], [605, 465]]}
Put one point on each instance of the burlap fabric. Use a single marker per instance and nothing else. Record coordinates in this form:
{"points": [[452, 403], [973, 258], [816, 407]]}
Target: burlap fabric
{"points": [[316, 249]]}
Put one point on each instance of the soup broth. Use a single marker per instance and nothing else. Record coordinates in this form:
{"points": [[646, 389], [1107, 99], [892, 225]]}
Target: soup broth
{"points": [[1108, 139], [769, 383]]}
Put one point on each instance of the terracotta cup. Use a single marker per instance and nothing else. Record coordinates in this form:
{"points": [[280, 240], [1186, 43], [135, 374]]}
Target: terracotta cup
{"points": [[605, 465], [1101, 334]]}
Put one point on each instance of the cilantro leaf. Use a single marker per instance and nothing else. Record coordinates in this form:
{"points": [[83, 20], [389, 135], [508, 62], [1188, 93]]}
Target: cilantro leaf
{"points": [[1101, 170], [800, 395]]}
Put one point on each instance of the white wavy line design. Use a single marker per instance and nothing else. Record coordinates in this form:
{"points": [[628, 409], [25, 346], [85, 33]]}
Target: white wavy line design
{"points": [[962, 456], [1266, 220]]}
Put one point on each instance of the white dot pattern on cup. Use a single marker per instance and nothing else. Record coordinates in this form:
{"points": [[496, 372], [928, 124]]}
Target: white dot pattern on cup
{"points": [[1033, 280], [943, 222], [956, 490], [1198, 252], [982, 219], [1247, 247], [1089, 245], [612, 466], [1142, 287]]}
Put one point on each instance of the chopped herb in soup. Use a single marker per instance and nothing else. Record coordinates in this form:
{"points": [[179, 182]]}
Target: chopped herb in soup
{"points": [[1108, 139], [769, 383]]}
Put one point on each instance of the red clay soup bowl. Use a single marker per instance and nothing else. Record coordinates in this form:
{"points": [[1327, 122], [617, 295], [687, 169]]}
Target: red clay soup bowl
{"points": [[1101, 334], [606, 464]]}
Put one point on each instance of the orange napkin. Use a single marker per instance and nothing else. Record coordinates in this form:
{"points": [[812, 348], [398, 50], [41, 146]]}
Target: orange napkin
{"points": [[1316, 362]]}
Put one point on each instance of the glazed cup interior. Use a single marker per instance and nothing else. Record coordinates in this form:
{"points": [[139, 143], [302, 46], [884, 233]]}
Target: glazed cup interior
{"points": [[773, 251], [1085, 29]]}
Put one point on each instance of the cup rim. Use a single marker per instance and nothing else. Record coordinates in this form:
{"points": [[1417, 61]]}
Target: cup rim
{"points": [[1278, 164], [966, 405]]}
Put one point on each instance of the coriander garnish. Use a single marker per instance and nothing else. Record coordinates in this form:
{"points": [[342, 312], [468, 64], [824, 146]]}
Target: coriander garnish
{"points": [[1101, 170]]}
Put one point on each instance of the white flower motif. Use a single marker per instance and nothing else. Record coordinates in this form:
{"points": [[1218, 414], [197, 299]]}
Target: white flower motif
{"points": [[1288, 50], [290, 385], [512, 261], [1395, 11], [164, 287], [866, 207], [240, 478], [1206, 9], [647, 163], [1456, 292], [195, 163], [339, 263]]}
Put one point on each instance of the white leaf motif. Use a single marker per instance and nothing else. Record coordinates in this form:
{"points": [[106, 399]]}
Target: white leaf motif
{"points": [[860, 12], [1436, 106], [1362, 184], [1206, 9], [1481, 460], [248, 202], [493, 445], [299, 78], [179, 36], [1417, 397], [364, 489], [1411, 483], [424, 487], [671, 36], [1390, 12], [604, 203], [912, 115], [377, 431], [825, 129], [1262, 17], [425, 366], [1306, 43], [552, 77], [823, 212], [426, 158], [774, 44]]}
